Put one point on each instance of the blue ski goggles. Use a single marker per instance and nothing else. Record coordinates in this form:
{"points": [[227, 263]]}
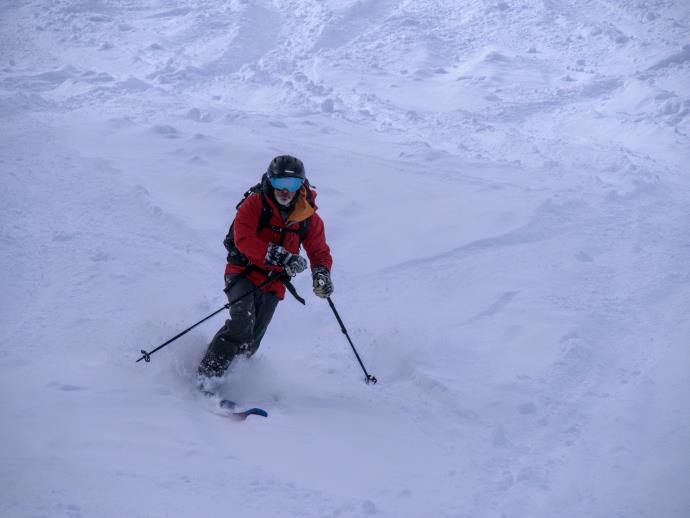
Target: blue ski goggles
{"points": [[286, 182]]}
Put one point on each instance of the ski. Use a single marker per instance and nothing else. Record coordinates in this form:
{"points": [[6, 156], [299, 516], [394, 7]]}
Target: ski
{"points": [[241, 415], [231, 409]]}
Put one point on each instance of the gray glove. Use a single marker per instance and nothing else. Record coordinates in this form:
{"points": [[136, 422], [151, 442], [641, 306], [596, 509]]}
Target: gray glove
{"points": [[323, 286], [293, 264]]}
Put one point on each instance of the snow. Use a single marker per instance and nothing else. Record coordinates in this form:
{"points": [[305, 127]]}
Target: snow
{"points": [[505, 191]]}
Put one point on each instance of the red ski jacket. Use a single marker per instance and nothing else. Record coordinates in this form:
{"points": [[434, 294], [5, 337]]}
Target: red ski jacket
{"points": [[253, 241]]}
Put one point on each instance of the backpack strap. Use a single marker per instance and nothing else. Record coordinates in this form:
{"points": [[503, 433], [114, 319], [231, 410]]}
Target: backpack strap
{"points": [[266, 212]]}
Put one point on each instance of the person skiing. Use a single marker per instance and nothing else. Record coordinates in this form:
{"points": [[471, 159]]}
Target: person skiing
{"points": [[276, 217]]}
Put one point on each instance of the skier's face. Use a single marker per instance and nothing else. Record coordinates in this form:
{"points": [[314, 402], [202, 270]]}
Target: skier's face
{"points": [[284, 197]]}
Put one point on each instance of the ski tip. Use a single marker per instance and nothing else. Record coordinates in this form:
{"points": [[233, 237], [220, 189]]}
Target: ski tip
{"points": [[257, 411], [234, 412]]}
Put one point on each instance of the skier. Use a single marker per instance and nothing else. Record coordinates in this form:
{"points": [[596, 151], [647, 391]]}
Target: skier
{"points": [[275, 218]]}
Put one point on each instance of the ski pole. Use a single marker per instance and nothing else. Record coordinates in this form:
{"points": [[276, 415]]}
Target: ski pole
{"points": [[146, 356], [369, 378]]}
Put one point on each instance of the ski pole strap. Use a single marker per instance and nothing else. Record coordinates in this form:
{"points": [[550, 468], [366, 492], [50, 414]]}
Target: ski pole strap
{"points": [[291, 288]]}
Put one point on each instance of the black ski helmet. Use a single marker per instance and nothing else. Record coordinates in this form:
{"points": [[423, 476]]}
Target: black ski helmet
{"points": [[286, 166]]}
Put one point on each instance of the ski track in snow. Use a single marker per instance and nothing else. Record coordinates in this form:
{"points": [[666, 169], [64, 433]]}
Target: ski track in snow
{"points": [[505, 192]]}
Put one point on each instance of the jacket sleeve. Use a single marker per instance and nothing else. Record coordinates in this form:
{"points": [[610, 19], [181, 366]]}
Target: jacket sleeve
{"points": [[315, 245], [246, 234]]}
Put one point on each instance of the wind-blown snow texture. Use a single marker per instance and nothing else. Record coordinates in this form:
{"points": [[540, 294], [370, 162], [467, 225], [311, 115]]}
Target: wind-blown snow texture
{"points": [[505, 187]]}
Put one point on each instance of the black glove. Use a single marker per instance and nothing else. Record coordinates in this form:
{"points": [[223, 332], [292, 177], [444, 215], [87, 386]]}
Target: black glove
{"points": [[323, 286], [276, 255]]}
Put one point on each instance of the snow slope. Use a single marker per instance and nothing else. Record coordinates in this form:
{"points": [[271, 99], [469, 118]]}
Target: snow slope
{"points": [[505, 191]]}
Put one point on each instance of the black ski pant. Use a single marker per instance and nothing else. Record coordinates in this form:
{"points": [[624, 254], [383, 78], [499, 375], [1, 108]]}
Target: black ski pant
{"points": [[242, 333]]}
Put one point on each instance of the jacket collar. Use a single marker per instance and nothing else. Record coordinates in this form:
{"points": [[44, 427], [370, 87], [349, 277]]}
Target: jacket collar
{"points": [[303, 209]]}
